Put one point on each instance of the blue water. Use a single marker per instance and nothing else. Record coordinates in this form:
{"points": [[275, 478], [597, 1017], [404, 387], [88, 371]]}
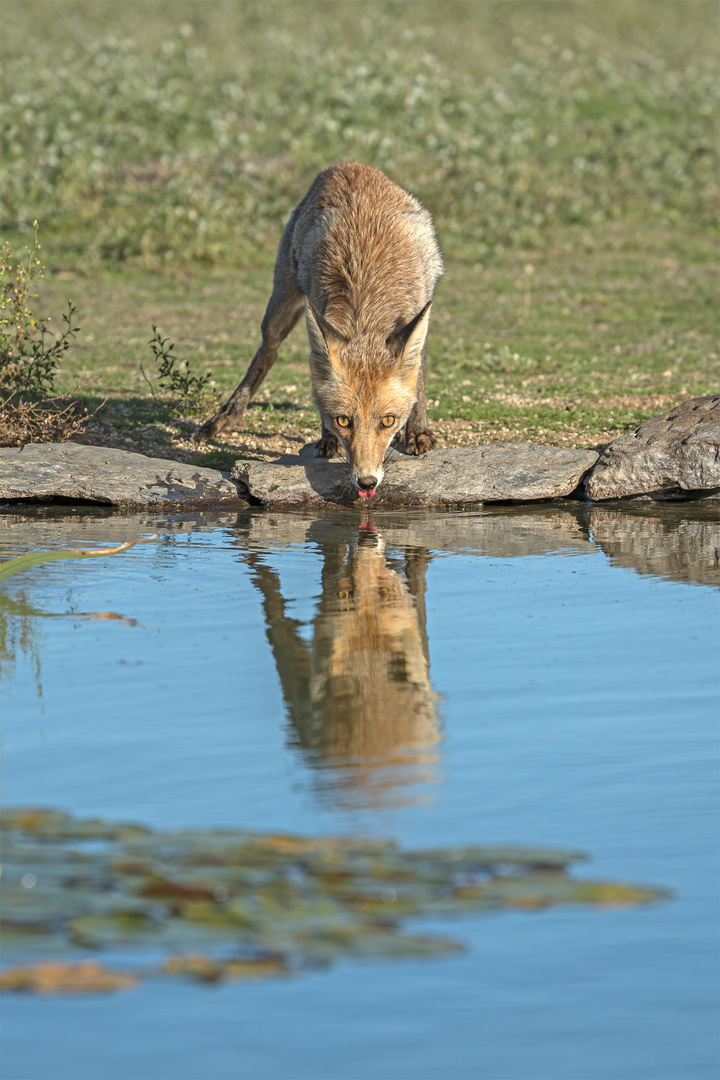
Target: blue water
{"points": [[571, 699]]}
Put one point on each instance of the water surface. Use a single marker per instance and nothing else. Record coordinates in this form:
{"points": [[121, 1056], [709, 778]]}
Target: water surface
{"points": [[539, 676]]}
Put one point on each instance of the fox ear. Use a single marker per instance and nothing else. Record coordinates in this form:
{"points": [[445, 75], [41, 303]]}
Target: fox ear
{"points": [[324, 341], [407, 344]]}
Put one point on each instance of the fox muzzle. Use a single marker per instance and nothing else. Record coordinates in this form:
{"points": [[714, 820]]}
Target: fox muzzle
{"points": [[367, 486]]}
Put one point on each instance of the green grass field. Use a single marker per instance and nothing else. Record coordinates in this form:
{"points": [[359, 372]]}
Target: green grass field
{"points": [[567, 151]]}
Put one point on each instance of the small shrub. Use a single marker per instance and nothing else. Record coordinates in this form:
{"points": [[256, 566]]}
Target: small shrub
{"points": [[30, 353]]}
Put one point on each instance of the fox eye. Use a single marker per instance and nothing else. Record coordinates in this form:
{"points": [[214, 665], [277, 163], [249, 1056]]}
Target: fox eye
{"points": [[343, 421], [387, 421]]}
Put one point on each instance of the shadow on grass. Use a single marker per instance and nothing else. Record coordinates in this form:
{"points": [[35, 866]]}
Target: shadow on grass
{"points": [[159, 429]]}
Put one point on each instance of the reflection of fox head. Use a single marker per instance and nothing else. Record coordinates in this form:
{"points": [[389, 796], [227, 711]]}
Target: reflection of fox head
{"points": [[365, 388]]}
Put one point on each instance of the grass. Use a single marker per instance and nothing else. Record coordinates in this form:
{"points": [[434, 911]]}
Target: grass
{"points": [[567, 151], [612, 326]]}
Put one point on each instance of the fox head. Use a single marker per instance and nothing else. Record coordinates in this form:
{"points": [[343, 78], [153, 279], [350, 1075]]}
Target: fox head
{"points": [[365, 388]]}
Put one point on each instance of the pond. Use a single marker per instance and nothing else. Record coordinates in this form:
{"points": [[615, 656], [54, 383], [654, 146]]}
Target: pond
{"points": [[543, 676]]}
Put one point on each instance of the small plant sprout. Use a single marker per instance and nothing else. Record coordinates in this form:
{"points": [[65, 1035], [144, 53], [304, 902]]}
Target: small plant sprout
{"points": [[187, 390]]}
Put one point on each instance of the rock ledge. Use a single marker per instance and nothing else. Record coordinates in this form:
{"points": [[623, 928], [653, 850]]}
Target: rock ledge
{"points": [[673, 456], [676, 455], [497, 472], [41, 472]]}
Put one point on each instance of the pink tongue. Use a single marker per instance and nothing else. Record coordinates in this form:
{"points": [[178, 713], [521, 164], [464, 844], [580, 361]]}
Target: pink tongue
{"points": [[366, 494]]}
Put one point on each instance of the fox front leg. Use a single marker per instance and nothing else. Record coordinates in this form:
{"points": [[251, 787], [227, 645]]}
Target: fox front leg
{"points": [[284, 308], [234, 408], [418, 436], [328, 445]]}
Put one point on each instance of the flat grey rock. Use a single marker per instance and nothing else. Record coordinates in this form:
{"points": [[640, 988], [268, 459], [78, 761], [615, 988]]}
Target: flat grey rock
{"points": [[676, 455], [512, 472], [45, 471]]}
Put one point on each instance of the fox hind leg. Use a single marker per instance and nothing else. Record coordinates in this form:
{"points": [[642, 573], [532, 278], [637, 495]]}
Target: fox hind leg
{"points": [[418, 436]]}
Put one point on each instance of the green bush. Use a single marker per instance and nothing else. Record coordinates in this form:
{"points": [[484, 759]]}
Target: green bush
{"points": [[188, 392], [30, 353]]}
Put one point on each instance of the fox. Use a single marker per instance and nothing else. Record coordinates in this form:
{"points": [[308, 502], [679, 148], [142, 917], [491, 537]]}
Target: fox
{"points": [[360, 258]]}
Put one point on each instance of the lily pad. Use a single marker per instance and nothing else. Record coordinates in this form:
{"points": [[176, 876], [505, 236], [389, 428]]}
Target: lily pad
{"points": [[233, 904], [54, 977]]}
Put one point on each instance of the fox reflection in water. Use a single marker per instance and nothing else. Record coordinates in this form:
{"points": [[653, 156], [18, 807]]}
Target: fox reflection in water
{"points": [[358, 694]]}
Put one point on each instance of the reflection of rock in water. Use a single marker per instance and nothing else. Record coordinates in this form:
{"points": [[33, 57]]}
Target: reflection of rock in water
{"points": [[672, 545], [359, 695], [501, 532]]}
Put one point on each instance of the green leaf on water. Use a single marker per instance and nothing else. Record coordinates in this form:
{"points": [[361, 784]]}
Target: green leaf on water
{"points": [[230, 904]]}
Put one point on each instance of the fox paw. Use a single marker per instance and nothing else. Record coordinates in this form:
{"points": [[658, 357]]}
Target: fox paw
{"points": [[420, 442], [328, 447]]}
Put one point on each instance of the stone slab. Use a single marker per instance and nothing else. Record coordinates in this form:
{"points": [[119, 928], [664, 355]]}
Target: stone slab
{"points": [[676, 455], [46, 471], [466, 475]]}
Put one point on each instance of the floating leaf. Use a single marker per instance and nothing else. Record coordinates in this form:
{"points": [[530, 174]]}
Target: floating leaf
{"points": [[55, 977], [280, 903], [205, 968]]}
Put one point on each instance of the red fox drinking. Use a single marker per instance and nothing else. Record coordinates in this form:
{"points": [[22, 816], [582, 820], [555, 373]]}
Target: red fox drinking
{"points": [[359, 256]]}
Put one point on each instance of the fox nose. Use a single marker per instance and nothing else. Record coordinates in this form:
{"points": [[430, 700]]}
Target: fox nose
{"points": [[366, 486]]}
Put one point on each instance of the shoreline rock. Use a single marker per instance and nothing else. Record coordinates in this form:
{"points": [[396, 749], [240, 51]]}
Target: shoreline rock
{"points": [[672, 456], [466, 475], [42, 472]]}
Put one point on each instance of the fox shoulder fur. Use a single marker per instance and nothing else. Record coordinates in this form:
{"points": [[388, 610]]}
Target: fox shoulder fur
{"points": [[359, 257]]}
